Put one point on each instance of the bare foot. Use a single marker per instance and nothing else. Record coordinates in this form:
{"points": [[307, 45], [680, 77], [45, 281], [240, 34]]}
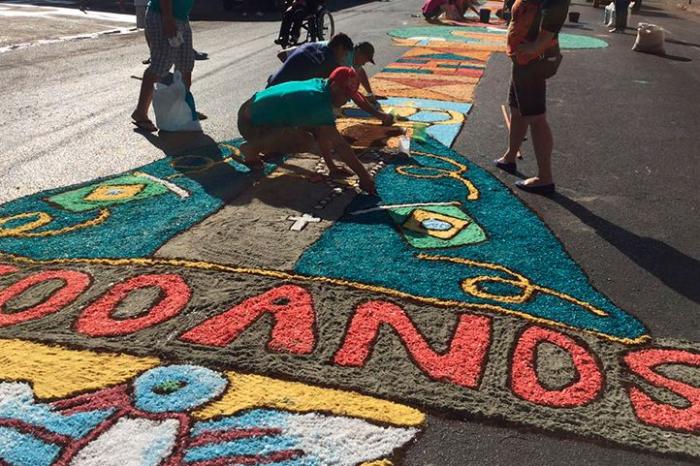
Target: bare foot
{"points": [[536, 181]]}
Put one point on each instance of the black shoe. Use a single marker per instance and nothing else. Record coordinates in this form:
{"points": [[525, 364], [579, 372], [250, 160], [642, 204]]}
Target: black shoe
{"points": [[147, 61], [506, 167], [282, 42], [543, 189], [201, 55]]}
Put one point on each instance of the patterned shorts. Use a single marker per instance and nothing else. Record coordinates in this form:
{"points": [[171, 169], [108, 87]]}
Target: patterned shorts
{"points": [[163, 56]]}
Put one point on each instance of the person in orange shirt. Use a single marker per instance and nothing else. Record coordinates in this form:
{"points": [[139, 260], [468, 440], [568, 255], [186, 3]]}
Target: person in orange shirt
{"points": [[534, 49]]}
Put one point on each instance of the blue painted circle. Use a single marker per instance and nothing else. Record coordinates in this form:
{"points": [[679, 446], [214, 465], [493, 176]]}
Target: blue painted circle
{"points": [[177, 388], [429, 117], [436, 225]]}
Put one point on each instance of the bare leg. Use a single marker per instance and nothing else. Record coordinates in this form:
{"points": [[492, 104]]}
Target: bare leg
{"points": [[543, 142], [145, 96], [518, 130]]}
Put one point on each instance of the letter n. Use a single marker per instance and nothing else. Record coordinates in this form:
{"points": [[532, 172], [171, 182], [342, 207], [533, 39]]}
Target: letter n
{"points": [[291, 307], [461, 364], [643, 362]]}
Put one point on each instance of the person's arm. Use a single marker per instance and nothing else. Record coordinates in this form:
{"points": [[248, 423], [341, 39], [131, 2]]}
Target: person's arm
{"points": [[330, 138], [385, 118], [554, 14], [169, 25]]}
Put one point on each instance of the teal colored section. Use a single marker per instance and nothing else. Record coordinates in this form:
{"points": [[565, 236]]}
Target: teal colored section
{"points": [[19, 449], [566, 41], [517, 240], [137, 228]]}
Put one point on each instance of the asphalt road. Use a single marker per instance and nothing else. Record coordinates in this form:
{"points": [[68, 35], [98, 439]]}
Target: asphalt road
{"points": [[626, 161]]}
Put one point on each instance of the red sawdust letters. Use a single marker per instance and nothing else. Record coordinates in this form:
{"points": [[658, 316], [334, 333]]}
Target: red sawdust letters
{"points": [[524, 380], [462, 364], [293, 330], [652, 412], [96, 320], [75, 284]]}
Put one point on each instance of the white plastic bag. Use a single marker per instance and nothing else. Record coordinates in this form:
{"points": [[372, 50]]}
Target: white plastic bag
{"points": [[650, 39], [609, 17], [172, 109]]}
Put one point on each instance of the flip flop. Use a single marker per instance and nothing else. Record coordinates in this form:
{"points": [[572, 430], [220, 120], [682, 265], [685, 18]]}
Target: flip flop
{"points": [[145, 125], [543, 189], [511, 168]]}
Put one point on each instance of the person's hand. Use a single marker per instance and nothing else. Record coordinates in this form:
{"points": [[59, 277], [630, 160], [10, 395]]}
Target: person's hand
{"points": [[387, 119], [169, 26], [529, 48], [368, 186]]}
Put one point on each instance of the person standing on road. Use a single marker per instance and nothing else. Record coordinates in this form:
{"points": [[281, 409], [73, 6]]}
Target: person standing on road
{"points": [[533, 47], [297, 116], [319, 59], [621, 9], [170, 43]]}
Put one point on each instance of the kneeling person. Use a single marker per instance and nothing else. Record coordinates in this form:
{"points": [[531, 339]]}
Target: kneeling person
{"points": [[297, 116]]}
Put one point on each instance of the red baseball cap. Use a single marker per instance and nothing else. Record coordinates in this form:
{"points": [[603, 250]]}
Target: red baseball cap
{"points": [[347, 79]]}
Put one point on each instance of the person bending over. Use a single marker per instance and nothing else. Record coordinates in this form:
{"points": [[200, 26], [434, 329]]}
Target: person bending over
{"points": [[319, 59], [297, 116]]}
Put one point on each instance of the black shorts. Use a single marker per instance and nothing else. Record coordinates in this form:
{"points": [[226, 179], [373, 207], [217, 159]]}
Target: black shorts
{"points": [[528, 86]]}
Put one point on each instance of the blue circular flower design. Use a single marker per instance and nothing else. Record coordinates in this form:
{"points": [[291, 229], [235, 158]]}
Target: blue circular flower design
{"points": [[177, 388]]}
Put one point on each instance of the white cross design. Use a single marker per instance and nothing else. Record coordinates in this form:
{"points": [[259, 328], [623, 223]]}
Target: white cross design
{"points": [[301, 222]]}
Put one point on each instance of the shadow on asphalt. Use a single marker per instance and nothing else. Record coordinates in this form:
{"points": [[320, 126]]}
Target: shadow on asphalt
{"points": [[680, 42], [673, 268]]}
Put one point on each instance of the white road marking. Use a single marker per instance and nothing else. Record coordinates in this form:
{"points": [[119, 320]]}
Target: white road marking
{"points": [[22, 9]]}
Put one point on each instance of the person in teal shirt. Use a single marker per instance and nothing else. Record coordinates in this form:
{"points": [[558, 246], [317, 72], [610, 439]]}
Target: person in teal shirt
{"points": [[297, 116]]}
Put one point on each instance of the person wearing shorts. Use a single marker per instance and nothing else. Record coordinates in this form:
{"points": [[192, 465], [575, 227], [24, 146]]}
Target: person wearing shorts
{"points": [[533, 48], [166, 21], [298, 116]]}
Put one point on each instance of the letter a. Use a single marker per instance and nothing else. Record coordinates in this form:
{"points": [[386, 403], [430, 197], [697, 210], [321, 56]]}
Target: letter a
{"points": [[291, 307], [462, 364]]}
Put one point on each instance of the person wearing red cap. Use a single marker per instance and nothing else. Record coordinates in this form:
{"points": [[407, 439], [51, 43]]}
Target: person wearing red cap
{"points": [[297, 116]]}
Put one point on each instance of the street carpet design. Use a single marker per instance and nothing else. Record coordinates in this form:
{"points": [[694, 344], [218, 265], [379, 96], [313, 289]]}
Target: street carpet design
{"points": [[192, 312]]}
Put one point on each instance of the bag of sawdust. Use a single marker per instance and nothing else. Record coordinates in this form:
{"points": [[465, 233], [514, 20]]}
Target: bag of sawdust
{"points": [[650, 39]]}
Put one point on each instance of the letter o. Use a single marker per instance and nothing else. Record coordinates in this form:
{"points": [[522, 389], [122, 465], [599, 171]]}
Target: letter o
{"points": [[97, 321], [526, 385], [75, 284]]}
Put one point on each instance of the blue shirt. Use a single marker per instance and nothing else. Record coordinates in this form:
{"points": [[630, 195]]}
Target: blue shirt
{"points": [[312, 60]]}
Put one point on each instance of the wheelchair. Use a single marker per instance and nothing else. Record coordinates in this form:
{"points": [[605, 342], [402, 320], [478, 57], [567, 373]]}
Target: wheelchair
{"points": [[315, 27]]}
